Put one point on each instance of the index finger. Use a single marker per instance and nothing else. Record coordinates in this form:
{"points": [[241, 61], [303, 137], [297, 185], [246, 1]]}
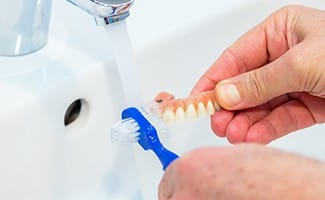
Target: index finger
{"points": [[262, 44]]}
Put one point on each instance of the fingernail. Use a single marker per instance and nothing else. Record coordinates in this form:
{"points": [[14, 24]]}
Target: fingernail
{"points": [[228, 94]]}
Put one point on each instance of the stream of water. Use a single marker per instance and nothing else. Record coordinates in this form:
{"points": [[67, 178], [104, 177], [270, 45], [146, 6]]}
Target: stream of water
{"points": [[123, 53]]}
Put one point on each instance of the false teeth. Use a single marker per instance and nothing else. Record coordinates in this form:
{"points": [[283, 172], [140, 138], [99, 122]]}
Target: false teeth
{"points": [[210, 108], [169, 117], [216, 106], [190, 112], [201, 110], [175, 110], [180, 114]]}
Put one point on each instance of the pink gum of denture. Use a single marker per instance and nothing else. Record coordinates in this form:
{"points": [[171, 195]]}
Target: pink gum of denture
{"points": [[167, 101]]}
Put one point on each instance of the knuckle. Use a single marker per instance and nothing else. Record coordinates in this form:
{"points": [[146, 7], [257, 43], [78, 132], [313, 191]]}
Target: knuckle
{"points": [[291, 9], [294, 58], [292, 15], [303, 72], [295, 66], [257, 88]]}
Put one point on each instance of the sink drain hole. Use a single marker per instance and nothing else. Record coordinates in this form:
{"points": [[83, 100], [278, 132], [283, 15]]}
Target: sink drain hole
{"points": [[75, 111]]}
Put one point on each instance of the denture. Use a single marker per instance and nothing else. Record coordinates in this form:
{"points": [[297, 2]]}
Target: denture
{"points": [[173, 110]]}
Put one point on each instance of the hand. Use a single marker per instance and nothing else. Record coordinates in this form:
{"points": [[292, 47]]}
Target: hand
{"points": [[245, 172], [275, 78]]}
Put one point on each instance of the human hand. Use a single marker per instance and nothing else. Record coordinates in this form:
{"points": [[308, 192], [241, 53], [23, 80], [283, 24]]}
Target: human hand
{"points": [[246, 172], [278, 69]]}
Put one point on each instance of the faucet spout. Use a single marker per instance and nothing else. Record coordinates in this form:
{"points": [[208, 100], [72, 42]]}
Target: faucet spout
{"points": [[105, 12], [24, 26]]}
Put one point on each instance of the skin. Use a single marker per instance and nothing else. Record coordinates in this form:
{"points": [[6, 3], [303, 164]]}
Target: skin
{"points": [[243, 172], [278, 69]]}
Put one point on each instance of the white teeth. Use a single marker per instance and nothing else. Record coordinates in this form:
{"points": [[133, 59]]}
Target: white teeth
{"points": [[210, 108], [201, 110], [216, 106], [180, 114], [169, 117], [190, 112]]}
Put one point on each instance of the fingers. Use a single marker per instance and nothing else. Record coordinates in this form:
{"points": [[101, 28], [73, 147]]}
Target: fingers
{"points": [[177, 183], [261, 85], [270, 121], [220, 121], [279, 56], [315, 105], [191, 176], [298, 70], [237, 129], [231, 62], [262, 44], [234, 126], [289, 117]]}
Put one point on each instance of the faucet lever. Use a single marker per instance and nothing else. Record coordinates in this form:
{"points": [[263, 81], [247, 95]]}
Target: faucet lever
{"points": [[105, 11]]}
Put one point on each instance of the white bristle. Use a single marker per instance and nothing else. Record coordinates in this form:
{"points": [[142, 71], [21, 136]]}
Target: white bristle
{"points": [[126, 131], [151, 113]]}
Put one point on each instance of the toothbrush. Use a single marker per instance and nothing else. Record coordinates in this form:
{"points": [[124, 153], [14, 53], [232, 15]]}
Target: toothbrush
{"points": [[135, 127], [173, 110]]}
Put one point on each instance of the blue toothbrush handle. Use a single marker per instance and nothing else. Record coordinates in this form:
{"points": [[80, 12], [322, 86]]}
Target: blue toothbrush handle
{"points": [[165, 156], [148, 138]]}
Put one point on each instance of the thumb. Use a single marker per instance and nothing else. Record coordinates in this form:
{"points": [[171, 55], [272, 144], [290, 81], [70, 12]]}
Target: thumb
{"points": [[257, 87]]}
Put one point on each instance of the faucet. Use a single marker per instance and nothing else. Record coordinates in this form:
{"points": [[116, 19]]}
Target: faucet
{"points": [[24, 25], [105, 11]]}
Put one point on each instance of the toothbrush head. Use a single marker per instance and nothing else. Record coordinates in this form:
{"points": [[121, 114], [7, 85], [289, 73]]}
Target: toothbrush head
{"points": [[135, 127], [128, 130], [147, 133], [125, 131]]}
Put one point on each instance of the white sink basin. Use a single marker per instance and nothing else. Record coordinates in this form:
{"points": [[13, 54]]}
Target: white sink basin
{"points": [[42, 158]]}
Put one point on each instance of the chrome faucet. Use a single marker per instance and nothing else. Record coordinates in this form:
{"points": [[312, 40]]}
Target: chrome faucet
{"points": [[24, 24], [105, 11]]}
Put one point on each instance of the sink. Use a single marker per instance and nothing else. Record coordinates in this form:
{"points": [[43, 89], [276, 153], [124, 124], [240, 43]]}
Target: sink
{"points": [[57, 105]]}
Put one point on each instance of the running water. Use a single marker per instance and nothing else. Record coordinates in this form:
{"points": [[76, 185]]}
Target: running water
{"points": [[122, 49]]}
